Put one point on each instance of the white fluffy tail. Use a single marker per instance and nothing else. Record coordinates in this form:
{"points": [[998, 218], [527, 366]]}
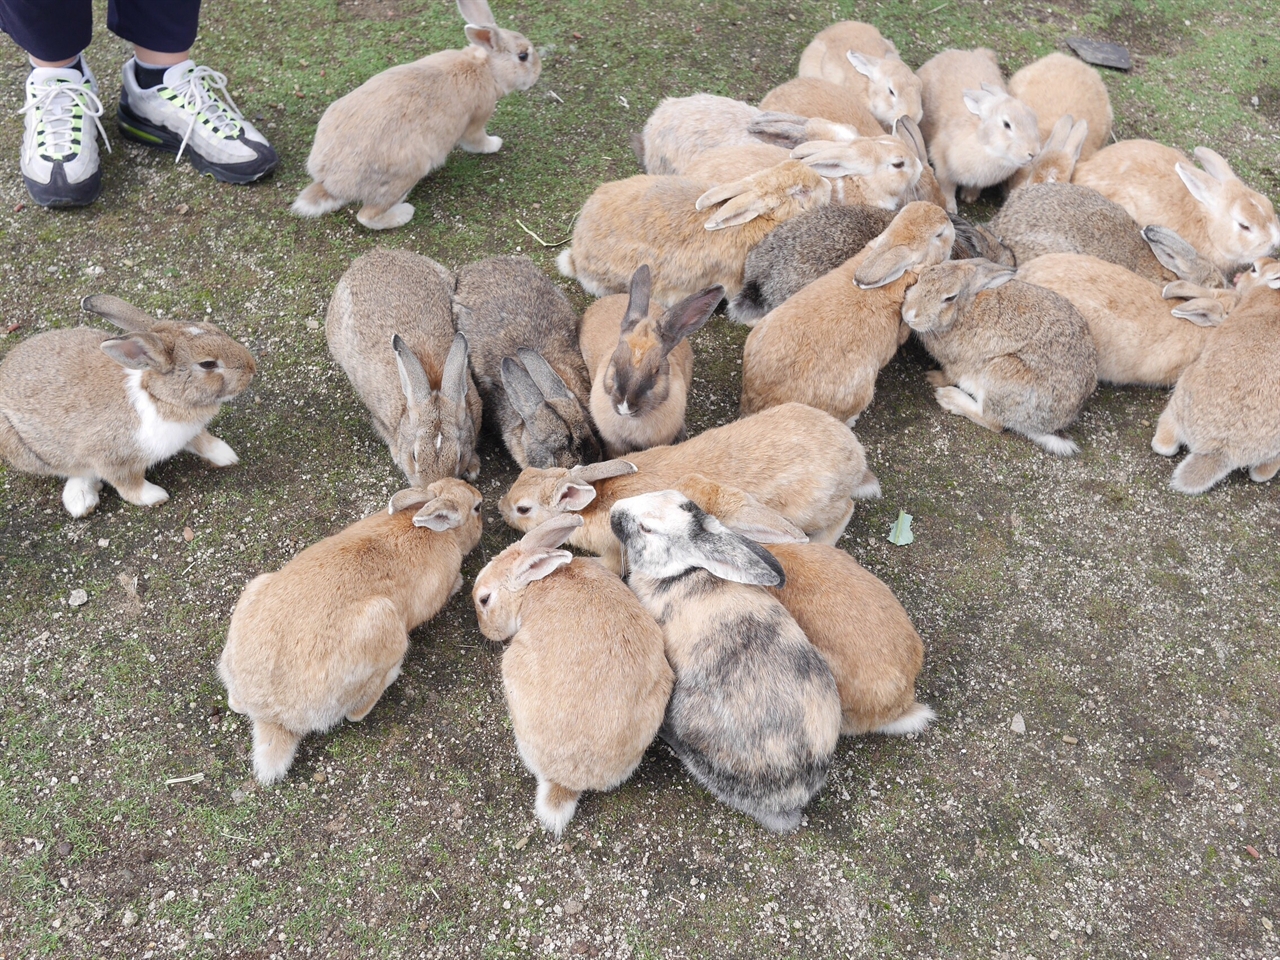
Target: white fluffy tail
{"points": [[316, 201], [915, 720], [564, 263], [273, 750], [1058, 446], [555, 806]]}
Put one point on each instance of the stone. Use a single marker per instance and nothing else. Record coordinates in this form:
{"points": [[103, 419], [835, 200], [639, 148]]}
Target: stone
{"points": [[573, 906], [78, 598], [129, 919], [1018, 725]]}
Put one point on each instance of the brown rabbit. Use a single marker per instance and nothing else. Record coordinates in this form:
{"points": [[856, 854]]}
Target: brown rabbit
{"points": [[1057, 158], [873, 171], [321, 638], [641, 364], [855, 55], [379, 140], [586, 678], [811, 97], [1057, 85], [91, 406]]}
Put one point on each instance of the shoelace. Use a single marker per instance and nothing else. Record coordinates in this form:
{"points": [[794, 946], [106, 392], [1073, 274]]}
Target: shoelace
{"points": [[55, 107], [197, 90]]}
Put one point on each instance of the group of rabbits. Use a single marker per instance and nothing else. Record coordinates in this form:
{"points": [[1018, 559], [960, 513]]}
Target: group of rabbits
{"points": [[719, 616]]}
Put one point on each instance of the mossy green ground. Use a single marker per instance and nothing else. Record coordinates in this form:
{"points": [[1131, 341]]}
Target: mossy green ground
{"points": [[1082, 594]]}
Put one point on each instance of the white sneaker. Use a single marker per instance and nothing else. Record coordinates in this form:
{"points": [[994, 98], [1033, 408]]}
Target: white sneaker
{"points": [[59, 158], [191, 114]]}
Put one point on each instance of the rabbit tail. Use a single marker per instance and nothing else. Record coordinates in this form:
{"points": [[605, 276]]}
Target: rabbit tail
{"points": [[913, 720], [748, 306], [315, 201], [555, 806], [565, 264], [1199, 472], [273, 750]]}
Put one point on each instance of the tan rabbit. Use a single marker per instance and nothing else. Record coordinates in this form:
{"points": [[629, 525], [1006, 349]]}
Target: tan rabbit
{"points": [[977, 134], [810, 97], [1139, 339], [1226, 406], [321, 638], [379, 140], [91, 406], [926, 188], [641, 364], [726, 164], [825, 345], [855, 55], [669, 223], [1059, 84], [872, 171], [390, 327], [682, 129], [585, 674], [1211, 209], [861, 630], [1013, 355], [1057, 158], [792, 459]]}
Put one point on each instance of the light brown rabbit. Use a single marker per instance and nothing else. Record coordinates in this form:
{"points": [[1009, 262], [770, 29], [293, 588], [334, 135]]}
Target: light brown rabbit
{"points": [[793, 459], [321, 638], [1139, 339], [390, 327], [670, 224], [977, 134], [379, 140], [1013, 355], [1057, 157], [726, 164], [810, 97], [825, 345], [586, 678], [861, 630], [1211, 209], [91, 406], [1226, 406], [872, 171], [855, 55], [1057, 85], [682, 129], [641, 364], [927, 187]]}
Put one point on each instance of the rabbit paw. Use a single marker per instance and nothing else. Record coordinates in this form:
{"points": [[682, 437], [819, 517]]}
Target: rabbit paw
{"points": [[397, 216], [487, 145], [80, 495], [457, 585], [217, 452], [149, 495], [936, 378]]}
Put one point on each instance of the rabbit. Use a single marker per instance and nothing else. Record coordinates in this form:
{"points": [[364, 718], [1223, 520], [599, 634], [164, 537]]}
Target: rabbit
{"points": [[1139, 339], [667, 222], [1226, 407], [321, 638], [861, 630], [1057, 157], [90, 406], [793, 459], [1057, 85], [585, 672], [726, 164], [926, 187], [855, 55], [379, 140], [523, 334], [681, 129], [1013, 355], [390, 327], [815, 243], [825, 345], [1211, 209], [977, 134], [872, 171], [641, 364], [755, 712], [1039, 219], [810, 97]]}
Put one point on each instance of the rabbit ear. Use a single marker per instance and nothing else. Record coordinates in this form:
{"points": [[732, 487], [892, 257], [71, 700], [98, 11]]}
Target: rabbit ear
{"points": [[1075, 139], [988, 276], [837, 161], [862, 64], [120, 312], [440, 514], [522, 391], [595, 472], [1202, 311], [1214, 164], [908, 131], [736, 211], [551, 532], [784, 129], [548, 381], [407, 498], [978, 100], [453, 382], [138, 351], [486, 37], [721, 193], [413, 379], [883, 266], [477, 12], [572, 495], [1203, 187], [537, 565], [728, 555], [1172, 251], [763, 525], [689, 316], [1057, 139], [638, 301]]}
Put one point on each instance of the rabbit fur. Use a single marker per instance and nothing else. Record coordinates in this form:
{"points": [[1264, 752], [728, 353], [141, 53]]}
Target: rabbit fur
{"points": [[755, 712], [1225, 408], [726, 164], [811, 97], [793, 459], [641, 364], [1013, 355], [379, 140], [670, 224], [390, 327], [585, 673], [872, 171], [93, 406], [1211, 209], [321, 638], [523, 335], [1057, 85], [977, 134], [855, 55], [1058, 154], [825, 345]]}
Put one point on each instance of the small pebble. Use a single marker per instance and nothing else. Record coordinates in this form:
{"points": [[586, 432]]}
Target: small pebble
{"points": [[521, 843], [129, 919], [313, 324], [1018, 725], [573, 906], [64, 848], [104, 543], [1068, 739], [78, 598], [181, 209], [318, 776], [188, 534]]}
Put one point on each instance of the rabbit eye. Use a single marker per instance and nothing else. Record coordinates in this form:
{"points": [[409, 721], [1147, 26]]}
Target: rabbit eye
{"points": [[948, 299], [899, 164], [891, 93], [1244, 226], [524, 55], [645, 529], [208, 364], [523, 510], [484, 600]]}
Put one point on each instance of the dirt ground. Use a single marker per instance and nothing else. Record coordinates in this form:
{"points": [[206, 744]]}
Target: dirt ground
{"points": [[1133, 630]]}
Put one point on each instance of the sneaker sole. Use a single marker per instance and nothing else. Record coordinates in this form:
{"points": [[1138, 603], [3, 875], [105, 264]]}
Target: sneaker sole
{"points": [[58, 193], [132, 127]]}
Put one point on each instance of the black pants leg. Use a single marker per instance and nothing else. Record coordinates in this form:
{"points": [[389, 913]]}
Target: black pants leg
{"points": [[59, 29]]}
